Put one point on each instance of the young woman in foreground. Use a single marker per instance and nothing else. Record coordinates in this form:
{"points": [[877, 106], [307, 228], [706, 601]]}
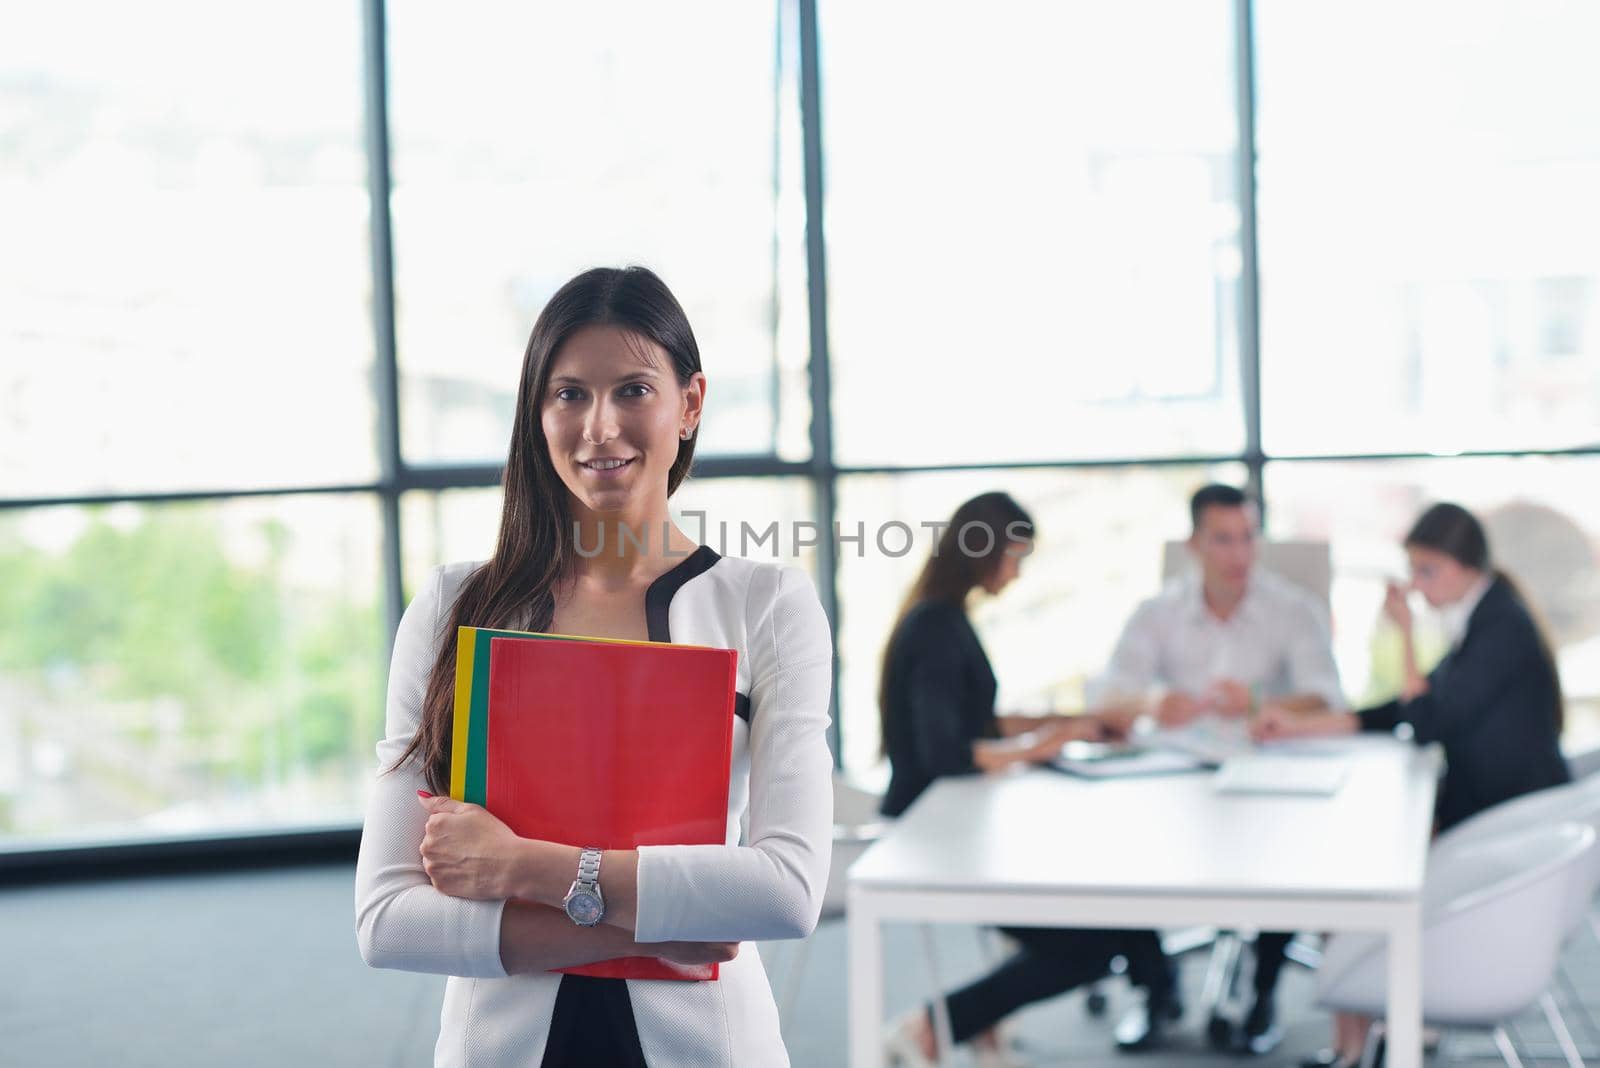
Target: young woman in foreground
{"points": [[608, 409]]}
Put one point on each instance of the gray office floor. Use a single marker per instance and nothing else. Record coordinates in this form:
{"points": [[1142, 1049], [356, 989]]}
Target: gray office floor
{"points": [[260, 967]]}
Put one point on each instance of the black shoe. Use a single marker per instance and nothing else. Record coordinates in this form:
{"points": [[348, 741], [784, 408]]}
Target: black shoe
{"points": [[1219, 1032], [1261, 1032], [1143, 1027]]}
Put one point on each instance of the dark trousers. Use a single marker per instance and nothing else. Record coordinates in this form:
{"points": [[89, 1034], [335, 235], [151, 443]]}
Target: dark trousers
{"points": [[1053, 961], [1269, 960]]}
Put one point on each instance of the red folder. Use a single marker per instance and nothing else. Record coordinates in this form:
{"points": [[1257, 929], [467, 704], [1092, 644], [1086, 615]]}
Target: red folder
{"points": [[613, 745]]}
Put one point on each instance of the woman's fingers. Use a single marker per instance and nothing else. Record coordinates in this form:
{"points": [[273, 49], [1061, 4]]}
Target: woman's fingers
{"points": [[467, 851]]}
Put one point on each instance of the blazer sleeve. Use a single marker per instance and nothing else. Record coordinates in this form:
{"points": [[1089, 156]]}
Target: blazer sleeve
{"points": [[772, 886], [1498, 652], [935, 695], [1384, 717], [401, 920]]}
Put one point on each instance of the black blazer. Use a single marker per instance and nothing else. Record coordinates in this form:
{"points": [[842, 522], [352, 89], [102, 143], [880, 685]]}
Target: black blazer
{"points": [[1491, 703], [940, 699]]}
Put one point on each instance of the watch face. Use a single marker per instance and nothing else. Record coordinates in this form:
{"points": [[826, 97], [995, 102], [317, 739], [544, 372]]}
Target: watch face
{"points": [[584, 907]]}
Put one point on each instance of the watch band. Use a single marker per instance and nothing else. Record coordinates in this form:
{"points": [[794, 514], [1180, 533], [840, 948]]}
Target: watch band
{"points": [[589, 866]]}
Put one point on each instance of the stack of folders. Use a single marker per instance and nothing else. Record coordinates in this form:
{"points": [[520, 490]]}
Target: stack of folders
{"points": [[596, 742]]}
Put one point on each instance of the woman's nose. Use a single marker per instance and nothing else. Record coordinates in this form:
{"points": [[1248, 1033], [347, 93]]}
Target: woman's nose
{"points": [[599, 426]]}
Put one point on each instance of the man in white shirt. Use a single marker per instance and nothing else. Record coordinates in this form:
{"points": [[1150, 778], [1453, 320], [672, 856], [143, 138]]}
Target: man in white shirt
{"points": [[1223, 642], [1229, 637]]}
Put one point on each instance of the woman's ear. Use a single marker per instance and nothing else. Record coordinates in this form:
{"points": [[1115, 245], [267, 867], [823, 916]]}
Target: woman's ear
{"points": [[694, 399]]}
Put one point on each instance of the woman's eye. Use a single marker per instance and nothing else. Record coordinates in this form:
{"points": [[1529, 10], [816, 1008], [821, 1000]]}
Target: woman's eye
{"points": [[568, 393], [635, 389]]}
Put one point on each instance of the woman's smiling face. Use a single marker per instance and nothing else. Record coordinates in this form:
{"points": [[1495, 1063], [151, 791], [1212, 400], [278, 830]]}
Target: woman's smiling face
{"points": [[613, 414]]}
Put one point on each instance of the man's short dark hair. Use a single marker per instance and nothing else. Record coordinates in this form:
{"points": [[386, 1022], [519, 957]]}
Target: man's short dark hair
{"points": [[1215, 495]]}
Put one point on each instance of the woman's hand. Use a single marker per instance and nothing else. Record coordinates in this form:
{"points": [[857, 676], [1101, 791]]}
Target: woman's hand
{"points": [[1082, 728], [1395, 605], [1117, 721], [1274, 723], [466, 851]]}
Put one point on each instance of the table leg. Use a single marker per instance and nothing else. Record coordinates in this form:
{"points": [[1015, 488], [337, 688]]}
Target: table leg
{"points": [[1405, 990], [866, 983]]}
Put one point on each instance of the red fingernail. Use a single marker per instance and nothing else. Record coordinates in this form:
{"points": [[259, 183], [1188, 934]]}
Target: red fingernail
{"points": [[423, 793]]}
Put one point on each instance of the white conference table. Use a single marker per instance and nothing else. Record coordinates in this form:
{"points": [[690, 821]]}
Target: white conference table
{"points": [[1043, 848]]}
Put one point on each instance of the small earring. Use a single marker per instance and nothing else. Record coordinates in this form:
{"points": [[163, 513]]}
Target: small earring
{"points": [[684, 433]]}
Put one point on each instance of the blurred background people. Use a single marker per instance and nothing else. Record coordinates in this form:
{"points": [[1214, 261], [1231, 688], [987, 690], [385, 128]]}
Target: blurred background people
{"points": [[937, 701], [1494, 702], [1226, 640]]}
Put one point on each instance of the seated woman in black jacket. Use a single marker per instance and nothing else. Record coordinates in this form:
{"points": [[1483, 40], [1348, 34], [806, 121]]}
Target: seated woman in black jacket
{"points": [[936, 698], [1493, 703]]}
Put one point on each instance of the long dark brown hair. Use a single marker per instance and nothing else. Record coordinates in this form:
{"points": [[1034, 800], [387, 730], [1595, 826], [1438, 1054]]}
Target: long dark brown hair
{"points": [[954, 569], [515, 587], [1456, 532]]}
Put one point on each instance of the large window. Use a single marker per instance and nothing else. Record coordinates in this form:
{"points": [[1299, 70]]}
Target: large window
{"points": [[184, 287], [255, 379], [183, 271], [1430, 233], [1033, 230], [534, 140], [188, 667]]}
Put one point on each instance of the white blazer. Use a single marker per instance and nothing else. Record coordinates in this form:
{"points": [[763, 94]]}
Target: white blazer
{"points": [[766, 887]]}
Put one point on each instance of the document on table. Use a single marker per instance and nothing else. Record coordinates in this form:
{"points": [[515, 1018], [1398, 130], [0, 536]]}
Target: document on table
{"points": [[1102, 760], [1209, 740]]}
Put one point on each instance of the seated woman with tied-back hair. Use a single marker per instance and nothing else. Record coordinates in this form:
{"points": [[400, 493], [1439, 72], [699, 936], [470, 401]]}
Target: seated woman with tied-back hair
{"points": [[1493, 703], [608, 408]]}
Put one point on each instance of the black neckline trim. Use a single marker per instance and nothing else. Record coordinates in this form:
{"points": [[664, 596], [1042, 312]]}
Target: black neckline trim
{"points": [[658, 598]]}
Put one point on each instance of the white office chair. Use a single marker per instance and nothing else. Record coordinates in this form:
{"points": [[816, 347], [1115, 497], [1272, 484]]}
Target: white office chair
{"points": [[1583, 765], [1493, 916], [1577, 801]]}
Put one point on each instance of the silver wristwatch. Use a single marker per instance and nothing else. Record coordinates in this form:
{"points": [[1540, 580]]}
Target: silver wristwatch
{"points": [[584, 903]]}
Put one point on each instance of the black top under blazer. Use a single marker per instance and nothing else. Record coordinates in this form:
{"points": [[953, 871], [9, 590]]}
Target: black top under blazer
{"points": [[1491, 703], [940, 699]]}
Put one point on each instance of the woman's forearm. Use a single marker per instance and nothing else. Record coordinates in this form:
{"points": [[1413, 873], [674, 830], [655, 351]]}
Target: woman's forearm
{"points": [[991, 754], [1416, 683], [536, 938], [1338, 722], [1013, 725], [1302, 702], [544, 872]]}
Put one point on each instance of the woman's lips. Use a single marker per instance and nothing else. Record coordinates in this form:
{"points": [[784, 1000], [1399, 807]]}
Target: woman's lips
{"points": [[608, 472]]}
